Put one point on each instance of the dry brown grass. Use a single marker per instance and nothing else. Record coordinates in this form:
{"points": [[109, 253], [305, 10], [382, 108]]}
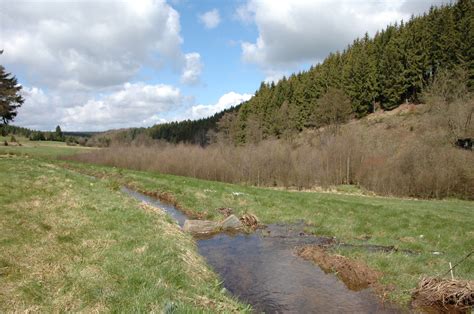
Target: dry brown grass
{"points": [[406, 153], [250, 220], [444, 294]]}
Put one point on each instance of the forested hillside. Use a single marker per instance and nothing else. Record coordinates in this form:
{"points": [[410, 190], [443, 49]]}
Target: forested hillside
{"points": [[200, 132], [191, 131], [385, 71]]}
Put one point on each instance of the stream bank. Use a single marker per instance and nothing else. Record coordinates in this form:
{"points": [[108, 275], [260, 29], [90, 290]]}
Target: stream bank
{"points": [[263, 269]]}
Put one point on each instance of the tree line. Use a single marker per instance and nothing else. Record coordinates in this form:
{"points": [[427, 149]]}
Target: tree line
{"points": [[190, 131], [200, 132], [79, 138], [33, 135]]}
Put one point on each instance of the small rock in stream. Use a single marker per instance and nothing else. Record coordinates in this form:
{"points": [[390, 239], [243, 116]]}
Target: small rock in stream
{"points": [[201, 226], [231, 223]]}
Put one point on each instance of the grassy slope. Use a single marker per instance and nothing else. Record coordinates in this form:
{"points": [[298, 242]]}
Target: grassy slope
{"points": [[425, 226], [69, 243]]}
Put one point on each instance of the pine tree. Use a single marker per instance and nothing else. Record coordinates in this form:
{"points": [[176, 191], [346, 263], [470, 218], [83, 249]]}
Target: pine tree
{"points": [[333, 108], [10, 96], [58, 134], [392, 68], [464, 17]]}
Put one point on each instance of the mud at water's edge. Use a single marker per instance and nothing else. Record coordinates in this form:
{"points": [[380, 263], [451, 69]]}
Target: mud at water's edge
{"points": [[355, 275], [433, 295]]}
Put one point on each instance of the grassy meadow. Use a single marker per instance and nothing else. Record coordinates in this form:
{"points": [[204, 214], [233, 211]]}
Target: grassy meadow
{"points": [[40, 148], [70, 243], [75, 211]]}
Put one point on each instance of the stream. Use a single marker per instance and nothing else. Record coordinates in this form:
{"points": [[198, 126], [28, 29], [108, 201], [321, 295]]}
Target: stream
{"points": [[261, 269]]}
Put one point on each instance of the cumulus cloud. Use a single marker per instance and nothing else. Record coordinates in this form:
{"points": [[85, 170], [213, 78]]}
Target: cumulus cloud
{"points": [[77, 57], [295, 31], [134, 105], [210, 19], [192, 69], [225, 101], [88, 44], [40, 110]]}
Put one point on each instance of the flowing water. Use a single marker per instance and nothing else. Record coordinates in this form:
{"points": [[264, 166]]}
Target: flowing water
{"points": [[261, 269]]}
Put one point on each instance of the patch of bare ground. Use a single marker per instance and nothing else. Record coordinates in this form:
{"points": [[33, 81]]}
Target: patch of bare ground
{"points": [[355, 275], [437, 295]]}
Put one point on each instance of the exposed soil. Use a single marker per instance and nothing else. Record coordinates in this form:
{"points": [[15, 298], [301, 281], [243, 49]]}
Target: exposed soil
{"points": [[354, 274]]}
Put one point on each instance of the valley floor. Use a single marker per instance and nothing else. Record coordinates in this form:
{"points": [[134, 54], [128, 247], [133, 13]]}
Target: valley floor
{"points": [[73, 243]]}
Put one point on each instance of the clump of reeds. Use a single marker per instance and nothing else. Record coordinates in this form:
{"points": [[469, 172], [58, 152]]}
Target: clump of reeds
{"points": [[250, 220], [441, 293]]}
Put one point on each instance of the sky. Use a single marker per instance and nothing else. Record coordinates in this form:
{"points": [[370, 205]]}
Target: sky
{"points": [[94, 65]]}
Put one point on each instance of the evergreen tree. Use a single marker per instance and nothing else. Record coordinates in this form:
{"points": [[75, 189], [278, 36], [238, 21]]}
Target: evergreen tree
{"points": [[58, 134], [10, 96], [333, 108], [464, 18], [392, 67]]}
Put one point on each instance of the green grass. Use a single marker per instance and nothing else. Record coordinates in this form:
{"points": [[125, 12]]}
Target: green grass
{"points": [[48, 149], [424, 226], [69, 243]]}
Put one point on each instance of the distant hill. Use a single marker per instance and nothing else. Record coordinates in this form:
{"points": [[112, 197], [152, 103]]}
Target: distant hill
{"points": [[189, 131], [35, 135], [80, 134]]}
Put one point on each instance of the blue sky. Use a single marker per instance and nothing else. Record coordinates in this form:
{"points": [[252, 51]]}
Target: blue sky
{"points": [[103, 64], [219, 49]]}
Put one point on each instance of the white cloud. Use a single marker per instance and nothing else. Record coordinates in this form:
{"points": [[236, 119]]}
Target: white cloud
{"points": [[78, 57], [133, 106], [226, 101], [39, 111], [244, 13], [272, 75], [296, 31], [210, 19], [192, 69], [88, 44]]}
